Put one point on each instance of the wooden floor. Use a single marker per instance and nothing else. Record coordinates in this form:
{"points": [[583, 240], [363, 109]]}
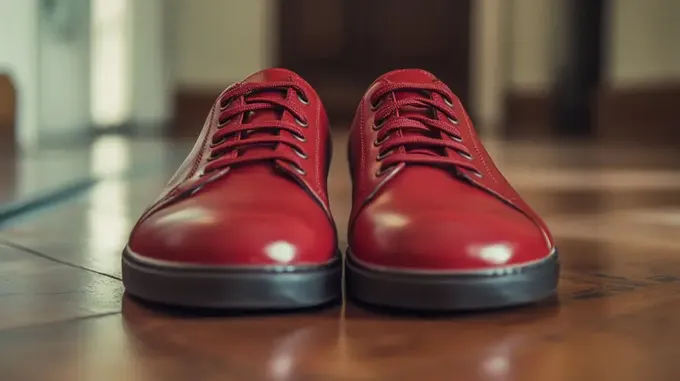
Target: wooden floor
{"points": [[615, 211]]}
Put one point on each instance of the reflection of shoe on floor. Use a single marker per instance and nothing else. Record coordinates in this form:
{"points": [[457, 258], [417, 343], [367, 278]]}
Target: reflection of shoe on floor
{"points": [[434, 224], [245, 222]]}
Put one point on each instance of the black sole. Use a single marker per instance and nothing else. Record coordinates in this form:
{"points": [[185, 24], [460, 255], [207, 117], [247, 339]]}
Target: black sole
{"points": [[234, 289], [453, 292]]}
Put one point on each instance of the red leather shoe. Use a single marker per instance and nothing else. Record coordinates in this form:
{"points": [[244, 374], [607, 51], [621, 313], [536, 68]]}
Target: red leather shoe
{"points": [[245, 222], [434, 224]]}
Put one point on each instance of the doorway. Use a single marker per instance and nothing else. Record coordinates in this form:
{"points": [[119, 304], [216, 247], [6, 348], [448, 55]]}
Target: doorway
{"points": [[341, 46]]}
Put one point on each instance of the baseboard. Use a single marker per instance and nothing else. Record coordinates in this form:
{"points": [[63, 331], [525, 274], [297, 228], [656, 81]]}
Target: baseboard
{"points": [[645, 113], [192, 106], [527, 114], [649, 114]]}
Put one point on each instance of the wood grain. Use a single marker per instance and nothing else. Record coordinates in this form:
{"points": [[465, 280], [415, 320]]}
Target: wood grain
{"points": [[63, 315]]}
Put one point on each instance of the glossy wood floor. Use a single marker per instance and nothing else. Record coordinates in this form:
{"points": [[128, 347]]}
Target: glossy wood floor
{"points": [[615, 211]]}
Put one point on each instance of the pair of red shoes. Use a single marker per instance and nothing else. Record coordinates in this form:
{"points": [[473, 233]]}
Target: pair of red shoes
{"points": [[245, 222]]}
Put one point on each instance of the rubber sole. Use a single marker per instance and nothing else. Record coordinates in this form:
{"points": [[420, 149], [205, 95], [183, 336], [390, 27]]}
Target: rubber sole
{"points": [[277, 288], [453, 292]]}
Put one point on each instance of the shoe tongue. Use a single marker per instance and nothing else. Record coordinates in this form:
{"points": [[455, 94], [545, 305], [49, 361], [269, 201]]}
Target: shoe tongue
{"points": [[410, 111], [261, 116], [268, 75]]}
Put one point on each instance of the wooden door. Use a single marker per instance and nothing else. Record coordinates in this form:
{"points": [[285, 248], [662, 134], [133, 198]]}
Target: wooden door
{"points": [[7, 111], [341, 46]]}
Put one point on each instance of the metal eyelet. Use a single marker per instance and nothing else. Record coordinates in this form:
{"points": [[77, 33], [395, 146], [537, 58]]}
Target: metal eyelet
{"points": [[382, 171], [302, 99], [216, 143], [378, 125], [223, 106], [299, 170], [456, 138], [376, 105], [383, 155], [223, 123], [300, 154], [301, 123], [454, 121], [214, 155], [465, 155], [448, 101], [381, 141], [301, 138], [477, 174]]}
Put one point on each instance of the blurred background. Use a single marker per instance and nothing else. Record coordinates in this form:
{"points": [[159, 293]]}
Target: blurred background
{"points": [[578, 102], [527, 69], [100, 88]]}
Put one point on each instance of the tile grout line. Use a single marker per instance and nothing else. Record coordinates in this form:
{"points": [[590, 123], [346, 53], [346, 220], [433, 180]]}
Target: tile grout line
{"points": [[56, 196], [28, 250], [51, 199], [35, 204]]}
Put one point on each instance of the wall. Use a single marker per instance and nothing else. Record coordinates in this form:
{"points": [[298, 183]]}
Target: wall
{"points": [[643, 73], [489, 69], [45, 50], [19, 60], [644, 43], [517, 45], [216, 42], [532, 44], [151, 79], [641, 70], [64, 67], [131, 81]]}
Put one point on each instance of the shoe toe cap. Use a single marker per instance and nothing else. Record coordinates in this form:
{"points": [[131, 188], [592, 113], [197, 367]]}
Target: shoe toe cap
{"points": [[447, 241], [187, 233]]}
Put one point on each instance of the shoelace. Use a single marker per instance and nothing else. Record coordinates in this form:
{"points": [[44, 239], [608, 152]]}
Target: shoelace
{"points": [[236, 136], [418, 138]]}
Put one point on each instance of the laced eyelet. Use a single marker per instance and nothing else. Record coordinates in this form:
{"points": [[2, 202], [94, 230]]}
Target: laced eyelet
{"points": [[299, 170], [301, 123], [224, 105], [454, 121], [378, 142], [300, 154], [383, 155], [304, 100], [465, 155], [378, 125], [301, 138], [215, 155], [374, 106], [382, 171], [448, 101], [223, 123]]}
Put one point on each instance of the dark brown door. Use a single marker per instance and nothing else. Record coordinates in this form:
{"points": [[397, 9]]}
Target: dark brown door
{"points": [[7, 111], [341, 46]]}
